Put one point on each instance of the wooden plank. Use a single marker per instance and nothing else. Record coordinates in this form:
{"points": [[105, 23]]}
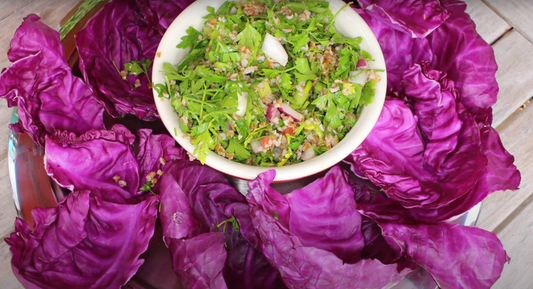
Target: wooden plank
{"points": [[514, 55], [517, 12], [518, 242], [8, 279], [9, 7], [488, 24], [517, 137]]}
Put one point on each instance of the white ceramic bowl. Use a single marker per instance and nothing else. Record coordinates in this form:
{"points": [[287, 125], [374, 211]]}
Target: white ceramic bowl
{"points": [[348, 23]]}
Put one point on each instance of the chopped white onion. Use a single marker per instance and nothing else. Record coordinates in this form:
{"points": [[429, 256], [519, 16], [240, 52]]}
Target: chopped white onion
{"points": [[242, 103], [277, 152], [308, 154], [274, 49], [256, 146], [358, 76]]}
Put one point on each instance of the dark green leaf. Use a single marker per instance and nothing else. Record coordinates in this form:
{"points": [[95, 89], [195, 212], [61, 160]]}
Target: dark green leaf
{"points": [[286, 82], [250, 37], [211, 14], [237, 148], [297, 7], [322, 102], [368, 92], [299, 41], [215, 78], [190, 39], [365, 55], [333, 115], [271, 73]]}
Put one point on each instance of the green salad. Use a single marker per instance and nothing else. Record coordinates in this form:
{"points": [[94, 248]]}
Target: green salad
{"points": [[268, 84]]}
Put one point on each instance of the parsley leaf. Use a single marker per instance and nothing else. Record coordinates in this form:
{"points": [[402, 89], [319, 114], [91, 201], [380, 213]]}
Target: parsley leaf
{"points": [[295, 142], [236, 147], [299, 41], [338, 38], [172, 73], [302, 65], [357, 95], [231, 100], [297, 7], [203, 142], [305, 72], [321, 102], [344, 66], [271, 73], [366, 55], [368, 92], [211, 14], [190, 39], [193, 56], [147, 187], [137, 67], [333, 116], [341, 100], [225, 8], [233, 222], [286, 82], [249, 37]]}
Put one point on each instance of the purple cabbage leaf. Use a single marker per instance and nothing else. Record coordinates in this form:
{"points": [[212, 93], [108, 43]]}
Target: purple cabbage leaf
{"points": [[85, 242], [428, 153], [122, 32], [445, 157], [414, 17], [41, 84], [105, 162], [454, 47], [199, 261], [307, 259], [202, 214], [455, 256]]}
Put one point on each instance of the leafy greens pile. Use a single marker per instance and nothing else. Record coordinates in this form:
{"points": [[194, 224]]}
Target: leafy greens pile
{"points": [[433, 155], [237, 96]]}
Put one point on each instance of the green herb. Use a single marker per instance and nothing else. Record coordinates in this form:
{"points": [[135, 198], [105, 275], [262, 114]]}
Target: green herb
{"points": [[250, 37], [236, 147], [276, 215], [85, 7], [136, 67], [333, 115], [147, 187], [190, 39], [233, 222], [368, 92]]}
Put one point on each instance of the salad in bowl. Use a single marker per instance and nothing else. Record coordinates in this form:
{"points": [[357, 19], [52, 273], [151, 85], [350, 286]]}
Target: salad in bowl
{"points": [[247, 87]]}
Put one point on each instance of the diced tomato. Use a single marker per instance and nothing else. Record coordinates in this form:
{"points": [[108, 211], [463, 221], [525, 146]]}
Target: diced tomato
{"points": [[267, 142], [289, 130]]}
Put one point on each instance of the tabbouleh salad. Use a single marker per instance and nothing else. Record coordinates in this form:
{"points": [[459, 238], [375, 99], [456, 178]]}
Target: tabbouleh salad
{"points": [[268, 84]]}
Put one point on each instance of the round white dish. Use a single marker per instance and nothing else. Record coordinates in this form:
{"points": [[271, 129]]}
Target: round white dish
{"points": [[348, 23]]}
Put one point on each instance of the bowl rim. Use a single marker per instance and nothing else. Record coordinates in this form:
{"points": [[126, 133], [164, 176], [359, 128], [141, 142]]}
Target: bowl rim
{"points": [[346, 21]]}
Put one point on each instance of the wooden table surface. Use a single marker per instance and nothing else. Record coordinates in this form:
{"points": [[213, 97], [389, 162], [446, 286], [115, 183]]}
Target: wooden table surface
{"points": [[506, 25]]}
